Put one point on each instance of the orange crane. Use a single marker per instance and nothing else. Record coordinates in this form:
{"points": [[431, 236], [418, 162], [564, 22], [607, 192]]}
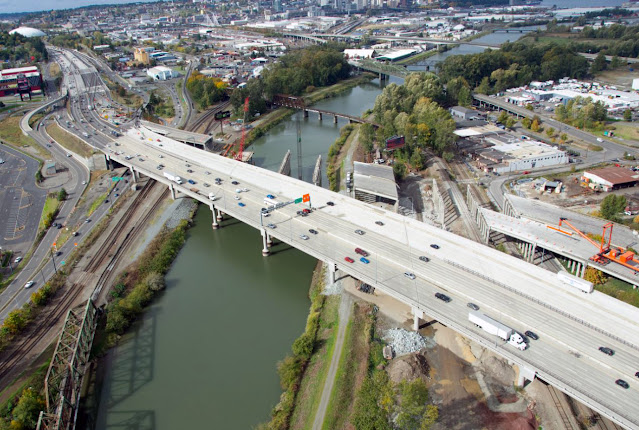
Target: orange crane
{"points": [[240, 154], [607, 252]]}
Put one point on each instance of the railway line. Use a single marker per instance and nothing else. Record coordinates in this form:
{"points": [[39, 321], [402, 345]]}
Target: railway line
{"points": [[205, 121], [101, 265], [564, 414]]}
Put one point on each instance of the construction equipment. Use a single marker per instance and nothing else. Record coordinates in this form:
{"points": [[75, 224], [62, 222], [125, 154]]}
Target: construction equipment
{"points": [[238, 156], [607, 251]]}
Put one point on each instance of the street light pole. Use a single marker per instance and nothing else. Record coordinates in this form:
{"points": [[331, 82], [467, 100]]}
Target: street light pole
{"points": [[53, 260]]}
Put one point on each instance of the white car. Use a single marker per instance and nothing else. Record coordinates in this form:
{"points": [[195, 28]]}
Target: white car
{"points": [[599, 139], [29, 284], [237, 197], [304, 237], [17, 260]]}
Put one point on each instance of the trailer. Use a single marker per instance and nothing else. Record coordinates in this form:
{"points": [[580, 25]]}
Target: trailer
{"points": [[575, 281], [174, 178], [496, 328]]}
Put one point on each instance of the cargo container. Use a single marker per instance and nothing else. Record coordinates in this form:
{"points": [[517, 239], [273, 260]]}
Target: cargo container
{"points": [[496, 328], [574, 281]]}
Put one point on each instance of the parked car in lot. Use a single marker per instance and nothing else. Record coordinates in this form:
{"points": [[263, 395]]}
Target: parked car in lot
{"points": [[364, 260], [531, 335], [606, 350], [349, 259], [409, 275], [424, 258], [622, 383], [360, 251], [473, 306], [442, 297]]}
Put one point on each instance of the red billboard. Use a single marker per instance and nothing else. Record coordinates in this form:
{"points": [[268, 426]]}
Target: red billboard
{"points": [[395, 142]]}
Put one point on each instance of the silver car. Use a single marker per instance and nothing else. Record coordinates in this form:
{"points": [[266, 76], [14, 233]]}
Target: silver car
{"points": [[409, 275]]}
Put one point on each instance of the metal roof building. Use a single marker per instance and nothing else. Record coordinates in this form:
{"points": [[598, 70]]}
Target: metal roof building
{"points": [[375, 183], [610, 178]]}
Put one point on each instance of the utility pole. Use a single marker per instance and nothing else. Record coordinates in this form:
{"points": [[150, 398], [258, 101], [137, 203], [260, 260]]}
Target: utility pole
{"points": [[53, 260], [299, 146]]}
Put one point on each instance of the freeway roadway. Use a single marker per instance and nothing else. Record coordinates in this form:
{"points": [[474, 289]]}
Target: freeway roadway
{"points": [[572, 325]]}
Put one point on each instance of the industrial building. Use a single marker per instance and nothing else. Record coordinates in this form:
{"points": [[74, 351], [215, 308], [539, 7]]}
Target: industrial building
{"points": [[375, 183], [464, 113], [29, 77], [610, 178], [161, 73]]}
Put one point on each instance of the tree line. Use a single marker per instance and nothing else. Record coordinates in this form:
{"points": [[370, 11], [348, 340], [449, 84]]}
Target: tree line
{"points": [[204, 90], [296, 73], [16, 48], [515, 64]]}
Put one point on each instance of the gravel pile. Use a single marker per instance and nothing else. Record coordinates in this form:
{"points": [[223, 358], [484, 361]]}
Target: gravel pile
{"points": [[404, 341], [183, 211]]}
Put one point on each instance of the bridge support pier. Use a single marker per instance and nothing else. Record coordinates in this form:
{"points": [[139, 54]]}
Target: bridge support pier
{"points": [[219, 216], [417, 314], [305, 113], [525, 374], [265, 250], [134, 175], [334, 119], [319, 115], [172, 188], [332, 269], [214, 224]]}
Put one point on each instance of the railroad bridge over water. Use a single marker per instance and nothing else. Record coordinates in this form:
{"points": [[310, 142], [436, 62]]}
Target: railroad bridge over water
{"points": [[299, 103]]}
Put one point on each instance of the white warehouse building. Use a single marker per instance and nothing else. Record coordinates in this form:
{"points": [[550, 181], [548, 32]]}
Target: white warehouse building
{"points": [[162, 73], [512, 155]]}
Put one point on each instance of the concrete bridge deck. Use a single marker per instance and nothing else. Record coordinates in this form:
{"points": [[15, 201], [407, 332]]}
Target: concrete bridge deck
{"points": [[571, 325]]}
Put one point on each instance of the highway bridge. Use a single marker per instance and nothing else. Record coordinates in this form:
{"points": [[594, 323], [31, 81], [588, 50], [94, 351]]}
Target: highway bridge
{"points": [[571, 325]]}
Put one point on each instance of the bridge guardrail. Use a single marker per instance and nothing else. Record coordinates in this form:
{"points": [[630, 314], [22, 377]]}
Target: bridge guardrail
{"points": [[546, 305]]}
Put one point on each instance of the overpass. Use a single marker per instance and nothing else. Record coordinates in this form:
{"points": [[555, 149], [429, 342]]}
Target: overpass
{"points": [[571, 325], [24, 122]]}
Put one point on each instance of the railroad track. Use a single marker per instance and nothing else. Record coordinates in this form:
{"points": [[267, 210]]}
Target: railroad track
{"points": [[563, 413], [206, 118], [112, 248]]}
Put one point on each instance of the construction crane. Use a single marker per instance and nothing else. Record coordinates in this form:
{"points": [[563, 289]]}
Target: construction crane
{"points": [[607, 252], [240, 153]]}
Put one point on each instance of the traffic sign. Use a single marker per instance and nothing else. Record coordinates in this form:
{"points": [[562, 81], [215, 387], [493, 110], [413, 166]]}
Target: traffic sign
{"points": [[306, 198], [222, 114], [117, 178], [63, 263], [298, 200]]}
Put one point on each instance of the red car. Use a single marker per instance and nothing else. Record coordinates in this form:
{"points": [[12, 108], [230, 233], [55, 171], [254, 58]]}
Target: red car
{"points": [[360, 251], [349, 259], [306, 211]]}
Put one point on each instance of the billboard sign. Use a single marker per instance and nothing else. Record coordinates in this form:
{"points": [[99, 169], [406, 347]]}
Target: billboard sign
{"points": [[395, 142]]}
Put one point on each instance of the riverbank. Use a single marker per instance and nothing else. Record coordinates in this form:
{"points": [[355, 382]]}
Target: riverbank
{"points": [[273, 118]]}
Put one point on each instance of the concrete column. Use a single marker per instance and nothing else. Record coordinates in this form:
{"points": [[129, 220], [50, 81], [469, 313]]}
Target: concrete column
{"points": [[572, 266], [214, 224], [305, 113], [334, 119], [219, 216], [416, 315], [580, 270], [134, 178], [172, 191], [269, 240], [332, 269], [265, 250], [520, 380], [532, 253], [319, 114]]}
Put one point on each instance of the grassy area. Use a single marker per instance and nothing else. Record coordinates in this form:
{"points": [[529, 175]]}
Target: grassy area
{"points": [[129, 99], [352, 368], [418, 57], [312, 384], [622, 130], [620, 290], [10, 132], [12, 393], [35, 118], [69, 141], [8, 106], [96, 203], [51, 204], [562, 39]]}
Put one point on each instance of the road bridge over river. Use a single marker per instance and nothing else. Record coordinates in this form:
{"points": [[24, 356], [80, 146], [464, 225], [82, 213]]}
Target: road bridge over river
{"points": [[571, 325]]}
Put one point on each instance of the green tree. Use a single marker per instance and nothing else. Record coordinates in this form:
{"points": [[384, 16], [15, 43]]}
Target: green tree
{"points": [[526, 122], [550, 132], [597, 277], [535, 126], [510, 122], [530, 107], [503, 117], [627, 115], [62, 195], [412, 405], [599, 64], [611, 206], [564, 137], [431, 414], [27, 411], [616, 62]]}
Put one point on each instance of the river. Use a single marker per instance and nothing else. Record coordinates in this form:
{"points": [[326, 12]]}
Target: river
{"points": [[205, 353], [464, 49]]}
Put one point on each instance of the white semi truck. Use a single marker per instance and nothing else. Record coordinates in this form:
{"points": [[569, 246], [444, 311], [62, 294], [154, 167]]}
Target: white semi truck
{"points": [[171, 177], [496, 328], [575, 281]]}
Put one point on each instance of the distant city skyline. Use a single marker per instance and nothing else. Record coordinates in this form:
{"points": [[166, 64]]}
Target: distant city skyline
{"points": [[12, 6]]}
